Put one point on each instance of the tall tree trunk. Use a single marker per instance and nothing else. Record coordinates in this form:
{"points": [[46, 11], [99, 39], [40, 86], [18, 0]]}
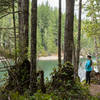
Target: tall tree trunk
{"points": [[19, 14], [59, 36], [33, 76], [20, 25], [74, 60], [97, 54], [26, 23], [78, 39], [13, 8], [68, 36], [23, 6]]}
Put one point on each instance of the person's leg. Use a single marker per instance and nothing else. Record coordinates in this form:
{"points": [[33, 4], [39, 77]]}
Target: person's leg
{"points": [[86, 77], [89, 77]]}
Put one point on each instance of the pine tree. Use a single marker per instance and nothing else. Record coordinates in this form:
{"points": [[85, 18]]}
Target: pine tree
{"points": [[33, 76], [78, 39], [59, 36], [23, 7], [68, 36]]}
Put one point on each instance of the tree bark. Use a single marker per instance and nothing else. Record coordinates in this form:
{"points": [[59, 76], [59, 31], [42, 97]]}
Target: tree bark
{"points": [[78, 39], [14, 24], [23, 6], [97, 54], [20, 22], [33, 76], [59, 36], [68, 36], [26, 23]]}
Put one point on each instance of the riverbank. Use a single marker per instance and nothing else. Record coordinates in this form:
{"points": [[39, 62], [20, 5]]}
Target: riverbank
{"points": [[52, 57], [49, 58]]}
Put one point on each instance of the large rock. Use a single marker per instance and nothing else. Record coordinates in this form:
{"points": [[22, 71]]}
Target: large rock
{"points": [[95, 77], [19, 76], [64, 75]]}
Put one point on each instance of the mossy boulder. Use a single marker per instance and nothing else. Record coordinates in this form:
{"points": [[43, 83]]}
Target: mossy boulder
{"points": [[19, 76], [95, 77], [63, 77]]}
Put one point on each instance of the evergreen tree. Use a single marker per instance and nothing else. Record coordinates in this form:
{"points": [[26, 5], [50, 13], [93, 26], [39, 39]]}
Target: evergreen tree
{"points": [[78, 39], [33, 75], [68, 37], [23, 7], [59, 36]]}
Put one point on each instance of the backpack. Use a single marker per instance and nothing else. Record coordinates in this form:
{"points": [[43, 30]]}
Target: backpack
{"points": [[91, 62]]}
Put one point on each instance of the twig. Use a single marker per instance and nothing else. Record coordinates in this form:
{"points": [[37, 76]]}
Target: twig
{"points": [[8, 28], [8, 14]]}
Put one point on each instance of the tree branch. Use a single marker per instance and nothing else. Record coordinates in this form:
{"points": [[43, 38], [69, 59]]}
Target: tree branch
{"points": [[8, 14]]}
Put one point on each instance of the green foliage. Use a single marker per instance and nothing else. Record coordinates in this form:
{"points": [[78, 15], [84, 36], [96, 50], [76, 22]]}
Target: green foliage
{"points": [[92, 26], [40, 96], [93, 98], [16, 96], [37, 96], [5, 5], [61, 87], [63, 84], [47, 29]]}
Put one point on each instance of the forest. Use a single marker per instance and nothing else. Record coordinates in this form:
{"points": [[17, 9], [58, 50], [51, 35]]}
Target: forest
{"points": [[45, 51]]}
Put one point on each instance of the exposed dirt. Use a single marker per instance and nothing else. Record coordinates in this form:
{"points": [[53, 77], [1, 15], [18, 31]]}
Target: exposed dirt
{"points": [[95, 90]]}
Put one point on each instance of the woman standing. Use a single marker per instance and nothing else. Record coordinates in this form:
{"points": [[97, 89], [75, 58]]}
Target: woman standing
{"points": [[88, 68]]}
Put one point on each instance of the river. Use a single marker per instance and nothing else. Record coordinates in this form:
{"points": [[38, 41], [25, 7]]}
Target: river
{"points": [[48, 65]]}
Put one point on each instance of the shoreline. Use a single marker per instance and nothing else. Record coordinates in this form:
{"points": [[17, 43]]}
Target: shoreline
{"points": [[48, 58], [53, 57]]}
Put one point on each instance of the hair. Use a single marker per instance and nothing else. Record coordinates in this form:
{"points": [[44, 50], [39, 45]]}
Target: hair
{"points": [[89, 56]]}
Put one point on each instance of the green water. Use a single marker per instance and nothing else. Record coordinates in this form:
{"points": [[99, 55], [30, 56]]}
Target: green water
{"points": [[47, 66], [4, 74]]}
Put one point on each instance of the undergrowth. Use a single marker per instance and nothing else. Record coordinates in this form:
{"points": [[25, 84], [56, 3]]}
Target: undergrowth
{"points": [[62, 86]]}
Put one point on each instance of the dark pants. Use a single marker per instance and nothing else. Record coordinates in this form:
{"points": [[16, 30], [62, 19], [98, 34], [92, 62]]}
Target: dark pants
{"points": [[88, 78]]}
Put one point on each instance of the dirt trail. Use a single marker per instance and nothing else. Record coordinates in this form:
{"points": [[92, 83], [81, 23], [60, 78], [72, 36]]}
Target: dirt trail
{"points": [[95, 90]]}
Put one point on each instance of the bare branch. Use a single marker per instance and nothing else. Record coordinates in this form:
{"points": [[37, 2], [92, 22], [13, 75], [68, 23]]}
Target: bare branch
{"points": [[8, 14]]}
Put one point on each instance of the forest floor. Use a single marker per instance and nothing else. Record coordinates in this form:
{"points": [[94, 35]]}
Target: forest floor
{"points": [[95, 90]]}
